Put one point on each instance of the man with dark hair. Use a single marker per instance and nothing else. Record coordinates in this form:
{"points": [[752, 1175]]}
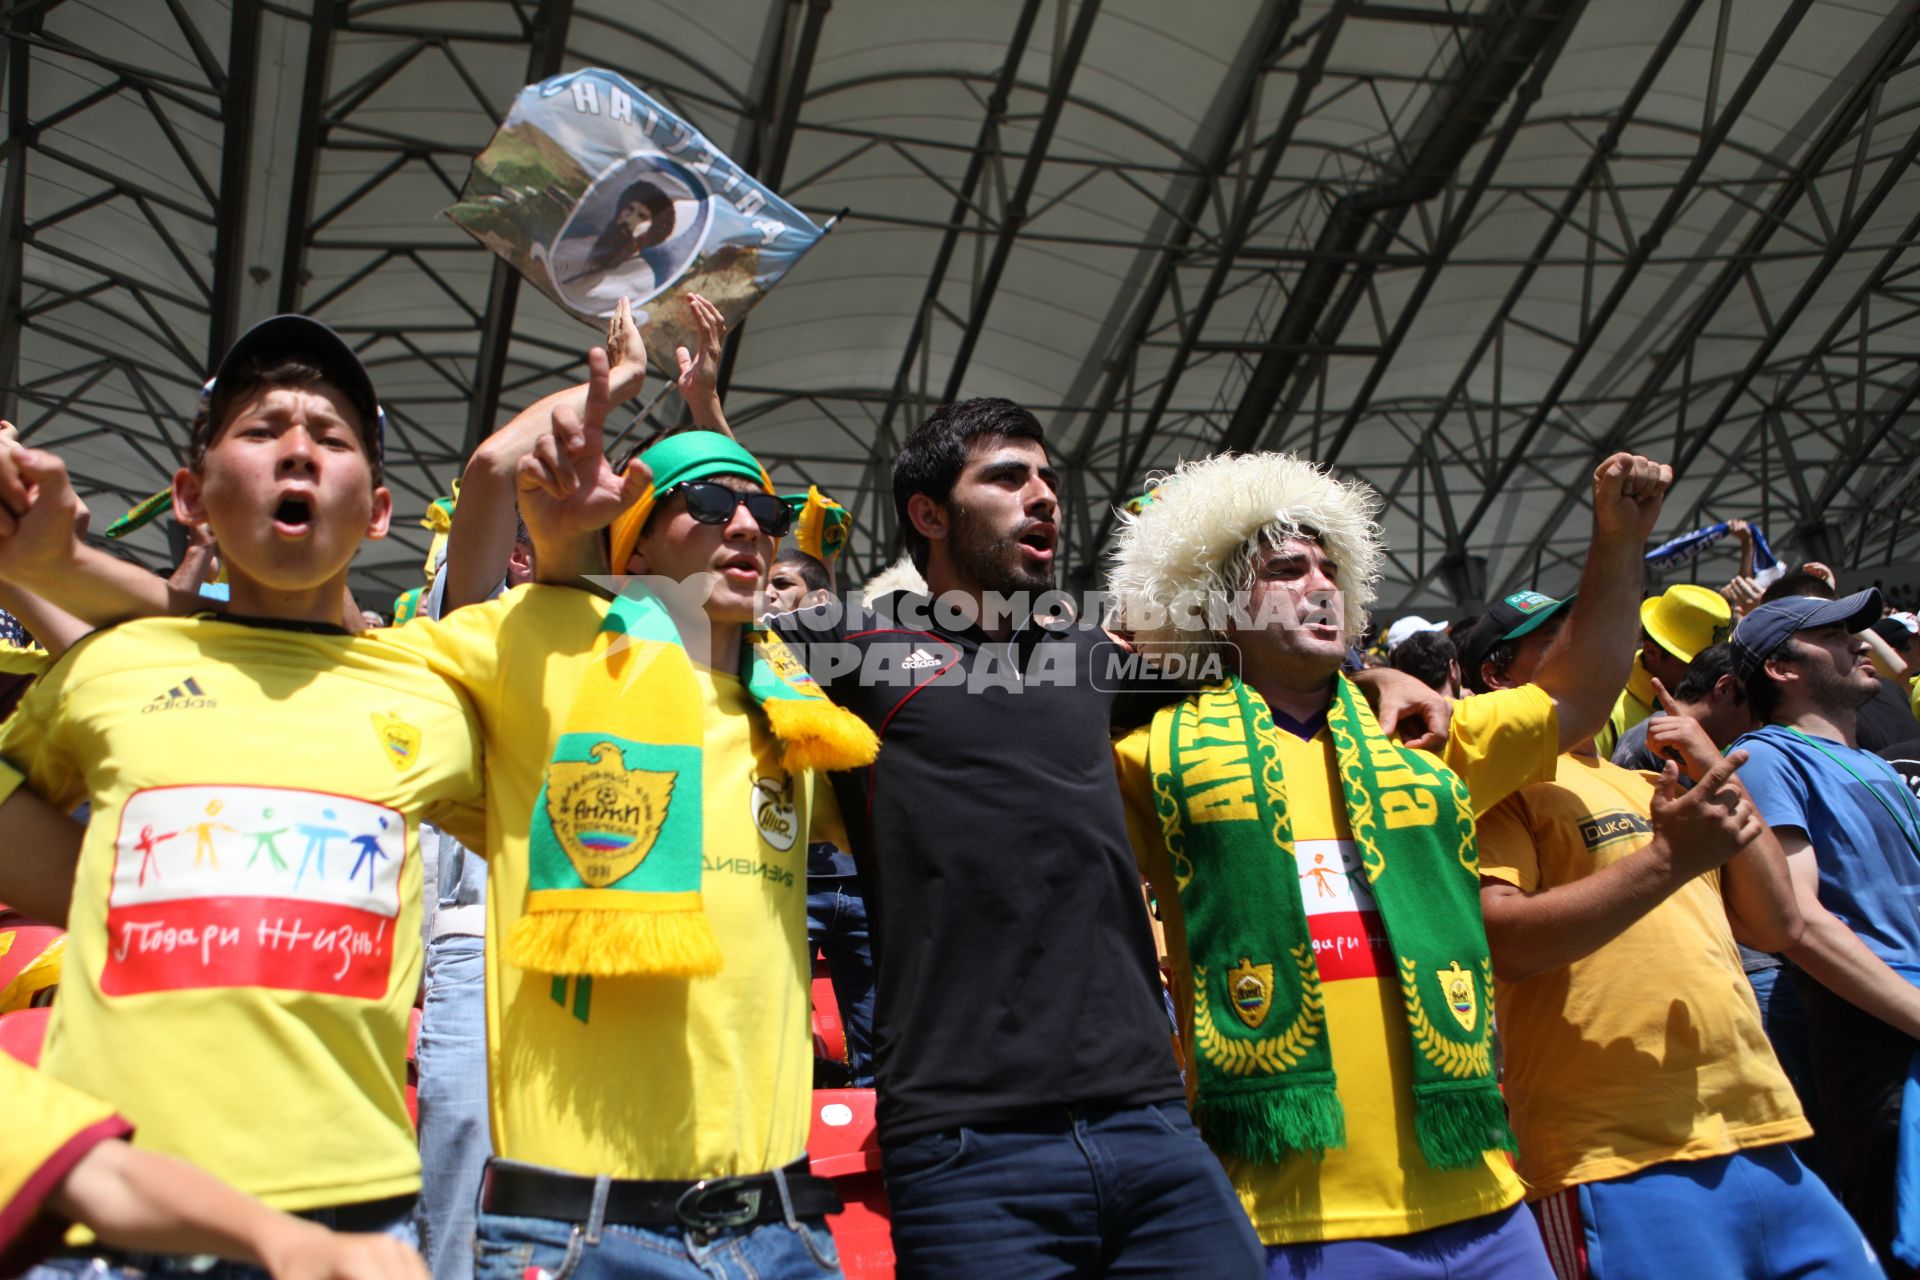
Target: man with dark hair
{"points": [[798, 581], [1031, 1117], [1711, 692], [930, 465], [1851, 831], [1888, 716], [1429, 657]]}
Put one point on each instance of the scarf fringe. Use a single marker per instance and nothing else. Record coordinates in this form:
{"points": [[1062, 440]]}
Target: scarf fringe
{"points": [[815, 734], [1268, 1125], [1457, 1127], [614, 944]]}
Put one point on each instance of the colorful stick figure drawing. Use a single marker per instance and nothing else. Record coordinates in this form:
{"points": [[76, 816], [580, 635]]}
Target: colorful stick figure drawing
{"points": [[203, 849], [146, 845], [370, 854], [264, 842], [316, 850], [1318, 873]]}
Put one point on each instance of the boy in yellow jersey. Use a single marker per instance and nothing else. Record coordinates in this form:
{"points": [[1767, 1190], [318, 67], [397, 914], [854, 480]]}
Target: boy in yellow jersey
{"points": [[66, 1160], [231, 985], [1653, 1118], [1317, 879], [639, 1112]]}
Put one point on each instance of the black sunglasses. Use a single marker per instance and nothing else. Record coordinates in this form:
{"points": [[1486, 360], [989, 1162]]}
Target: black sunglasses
{"points": [[713, 503]]}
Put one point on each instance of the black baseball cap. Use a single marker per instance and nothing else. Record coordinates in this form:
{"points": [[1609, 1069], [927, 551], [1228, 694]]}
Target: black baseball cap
{"points": [[1505, 619], [303, 337], [1772, 624]]}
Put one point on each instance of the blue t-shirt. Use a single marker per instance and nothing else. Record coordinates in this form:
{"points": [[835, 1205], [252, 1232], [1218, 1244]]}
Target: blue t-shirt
{"points": [[1863, 824]]}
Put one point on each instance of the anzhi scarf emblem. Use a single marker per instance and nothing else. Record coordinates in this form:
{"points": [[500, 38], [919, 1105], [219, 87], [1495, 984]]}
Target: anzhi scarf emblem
{"points": [[1265, 1083], [616, 839]]}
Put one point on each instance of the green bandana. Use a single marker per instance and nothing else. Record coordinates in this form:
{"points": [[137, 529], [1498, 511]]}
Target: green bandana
{"points": [[1263, 1060], [616, 838]]}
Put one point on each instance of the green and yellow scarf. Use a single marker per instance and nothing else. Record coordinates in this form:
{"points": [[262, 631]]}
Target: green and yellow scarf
{"points": [[616, 835], [1265, 1085]]}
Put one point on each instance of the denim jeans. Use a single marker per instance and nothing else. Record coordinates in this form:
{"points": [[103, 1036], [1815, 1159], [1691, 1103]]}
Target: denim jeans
{"points": [[119, 1264], [507, 1248], [837, 924], [454, 1139], [1096, 1191]]}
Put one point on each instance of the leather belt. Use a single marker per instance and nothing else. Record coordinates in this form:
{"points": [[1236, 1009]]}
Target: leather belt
{"points": [[712, 1204]]}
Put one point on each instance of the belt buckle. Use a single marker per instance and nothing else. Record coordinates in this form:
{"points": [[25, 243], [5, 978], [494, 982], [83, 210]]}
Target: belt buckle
{"points": [[693, 1210]]}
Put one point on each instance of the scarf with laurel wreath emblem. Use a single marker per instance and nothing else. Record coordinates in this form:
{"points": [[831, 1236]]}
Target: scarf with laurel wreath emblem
{"points": [[616, 834], [1265, 1085]]}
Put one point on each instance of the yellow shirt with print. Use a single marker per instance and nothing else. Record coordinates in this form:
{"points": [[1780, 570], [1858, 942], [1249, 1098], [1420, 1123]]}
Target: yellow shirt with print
{"points": [[1651, 1048], [243, 947], [50, 1129], [1634, 704], [1378, 1184], [638, 1077]]}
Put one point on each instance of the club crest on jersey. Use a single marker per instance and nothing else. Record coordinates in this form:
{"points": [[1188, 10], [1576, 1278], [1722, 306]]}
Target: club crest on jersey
{"points": [[400, 740], [1251, 988], [774, 814], [605, 815], [1461, 995]]}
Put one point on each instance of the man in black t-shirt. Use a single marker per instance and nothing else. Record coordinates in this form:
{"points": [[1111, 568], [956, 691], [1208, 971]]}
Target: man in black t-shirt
{"points": [[1031, 1118]]}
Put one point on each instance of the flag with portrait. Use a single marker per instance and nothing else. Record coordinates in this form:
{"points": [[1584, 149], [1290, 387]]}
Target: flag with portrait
{"points": [[594, 192]]}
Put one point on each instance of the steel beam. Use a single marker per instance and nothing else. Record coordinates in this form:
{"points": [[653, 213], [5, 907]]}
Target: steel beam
{"points": [[1245, 218], [781, 91], [1495, 61], [236, 175], [1677, 351], [13, 207], [1649, 240], [547, 37]]}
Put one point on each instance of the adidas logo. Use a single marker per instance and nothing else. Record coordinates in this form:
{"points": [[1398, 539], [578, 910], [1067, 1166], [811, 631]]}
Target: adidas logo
{"points": [[918, 660], [185, 696]]}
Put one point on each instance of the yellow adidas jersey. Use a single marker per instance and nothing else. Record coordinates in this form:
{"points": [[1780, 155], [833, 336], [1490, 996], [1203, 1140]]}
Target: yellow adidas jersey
{"points": [[637, 1077], [244, 940], [50, 1129]]}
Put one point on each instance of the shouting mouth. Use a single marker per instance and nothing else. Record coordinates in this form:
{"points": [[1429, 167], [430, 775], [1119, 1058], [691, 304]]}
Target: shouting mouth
{"points": [[1038, 541], [293, 516]]}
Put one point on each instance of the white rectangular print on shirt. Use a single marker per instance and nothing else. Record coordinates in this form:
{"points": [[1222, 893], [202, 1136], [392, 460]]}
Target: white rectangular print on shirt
{"points": [[244, 886], [1349, 939]]}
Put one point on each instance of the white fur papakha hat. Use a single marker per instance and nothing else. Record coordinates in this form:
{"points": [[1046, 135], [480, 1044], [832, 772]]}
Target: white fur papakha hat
{"points": [[1177, 553]]}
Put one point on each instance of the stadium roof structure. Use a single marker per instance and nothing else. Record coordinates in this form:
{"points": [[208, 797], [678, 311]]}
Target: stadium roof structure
{"points": [[1461, 249]]}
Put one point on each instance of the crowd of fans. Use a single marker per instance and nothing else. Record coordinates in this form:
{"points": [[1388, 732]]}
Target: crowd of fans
{"points": [[1574, 938]]}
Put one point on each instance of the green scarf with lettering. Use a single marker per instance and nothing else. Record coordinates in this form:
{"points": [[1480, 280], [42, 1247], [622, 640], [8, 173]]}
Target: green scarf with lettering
{"points": [[1263, 1061]]}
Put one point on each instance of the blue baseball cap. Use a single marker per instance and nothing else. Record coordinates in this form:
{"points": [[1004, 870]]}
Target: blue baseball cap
{"points": [[1764, 630]]}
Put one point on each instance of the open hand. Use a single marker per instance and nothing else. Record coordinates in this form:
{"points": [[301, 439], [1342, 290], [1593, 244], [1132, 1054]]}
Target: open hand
{"points": [[699, 378], [626, 355], [1743, 594]]}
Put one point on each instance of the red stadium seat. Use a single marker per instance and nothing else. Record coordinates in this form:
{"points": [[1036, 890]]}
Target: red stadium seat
{"points": [[24, 1032], [829, 1036], [842, 1146], [413, 1066], [29, 963]]}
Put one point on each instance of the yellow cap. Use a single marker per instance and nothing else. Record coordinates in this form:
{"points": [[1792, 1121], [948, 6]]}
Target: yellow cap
{"points": [[1685, 619]]}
